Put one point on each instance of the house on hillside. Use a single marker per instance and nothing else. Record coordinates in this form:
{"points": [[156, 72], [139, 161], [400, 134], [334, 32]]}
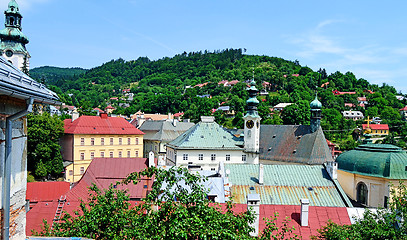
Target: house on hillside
{"points": [[376, 129], [279, 107], [18, 93], [139, 117], [89, 137], [354, 115], [403, 113]]}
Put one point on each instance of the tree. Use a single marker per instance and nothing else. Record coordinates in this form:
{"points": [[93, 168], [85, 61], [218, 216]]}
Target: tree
{"points": [[175, 211], [383, 224], [297, 113], [44, 155]]}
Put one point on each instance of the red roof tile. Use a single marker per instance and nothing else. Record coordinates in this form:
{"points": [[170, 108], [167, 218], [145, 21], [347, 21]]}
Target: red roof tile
{"points": [[376, 126], [106, 171], [46, 191], [404, 109], [99, 125], [178, 114]]}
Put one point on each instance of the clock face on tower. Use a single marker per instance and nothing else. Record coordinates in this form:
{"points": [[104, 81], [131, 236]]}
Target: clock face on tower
{"points": [[249, 124]]}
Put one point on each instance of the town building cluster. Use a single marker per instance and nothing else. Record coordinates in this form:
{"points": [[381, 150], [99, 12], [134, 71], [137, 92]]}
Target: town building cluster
{"points": [[290, 169]]}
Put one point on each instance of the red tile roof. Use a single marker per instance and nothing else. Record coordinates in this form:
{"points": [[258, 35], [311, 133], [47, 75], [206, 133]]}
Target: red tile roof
{"points": [[106, 171], [178, 114], [376, 126], [404, 109], [46, 191], [336, 92], [100, 125]]}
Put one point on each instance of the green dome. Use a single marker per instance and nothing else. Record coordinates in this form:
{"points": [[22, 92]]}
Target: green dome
{"points": [[377, 160], [316, 104]]}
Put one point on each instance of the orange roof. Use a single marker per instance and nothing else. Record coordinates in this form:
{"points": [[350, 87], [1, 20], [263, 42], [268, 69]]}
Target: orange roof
{"points": [[404, 109], [376, 126], [100, 125]]}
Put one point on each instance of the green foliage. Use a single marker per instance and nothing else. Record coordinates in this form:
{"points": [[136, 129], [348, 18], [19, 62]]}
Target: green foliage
{"points": [[383, 224], [44, 156], [297, 113]]}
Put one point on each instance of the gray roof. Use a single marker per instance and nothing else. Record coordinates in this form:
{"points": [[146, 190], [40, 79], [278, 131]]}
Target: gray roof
{"points": [[15, 83], [207, 135], [164, 130], [293, 143]]}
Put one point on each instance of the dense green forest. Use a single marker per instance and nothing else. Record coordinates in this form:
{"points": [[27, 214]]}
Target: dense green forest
{"points": [[170, 85]]}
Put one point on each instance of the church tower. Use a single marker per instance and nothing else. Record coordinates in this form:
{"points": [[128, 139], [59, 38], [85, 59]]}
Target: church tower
{"points": [[316, 113], [252, 124], [13, 41]]}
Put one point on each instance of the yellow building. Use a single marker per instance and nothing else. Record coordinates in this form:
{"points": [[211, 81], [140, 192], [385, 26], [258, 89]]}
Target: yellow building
{"points": [[368, 173], [101, 136]]}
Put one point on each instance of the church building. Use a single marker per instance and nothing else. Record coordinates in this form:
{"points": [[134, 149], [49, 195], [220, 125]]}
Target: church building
{"points": [[13, 41]]}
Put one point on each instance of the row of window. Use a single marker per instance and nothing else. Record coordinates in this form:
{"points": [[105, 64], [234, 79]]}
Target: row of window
{"points": [[82, 171], [102, 141], [111, 155], [213, 157]]}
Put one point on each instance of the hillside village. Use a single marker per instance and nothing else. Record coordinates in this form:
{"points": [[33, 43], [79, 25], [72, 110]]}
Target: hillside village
{"points": [[236, 136]]}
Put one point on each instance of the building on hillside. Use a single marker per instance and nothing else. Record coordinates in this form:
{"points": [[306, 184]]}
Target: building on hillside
{"points": [[279, 107], [304, 144], [89, 137], [376, 129], [367, 173], [354, 115], [337, 92], [362, 101], [334, 149], [403, 113], [158, 133], [109, 109], [13, 41], [102, 172], [18, 93]]}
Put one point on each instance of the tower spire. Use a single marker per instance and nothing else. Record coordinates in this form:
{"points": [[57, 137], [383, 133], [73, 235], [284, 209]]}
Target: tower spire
{"points": [[316, 113], [13, 41]]}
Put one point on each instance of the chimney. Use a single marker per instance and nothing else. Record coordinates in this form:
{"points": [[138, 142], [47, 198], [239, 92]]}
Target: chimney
{"points": [[75, 115], [261, 174], [253, 204], [221, 169], [103, 115], [151, 159], [304, 212], [332, 169]]}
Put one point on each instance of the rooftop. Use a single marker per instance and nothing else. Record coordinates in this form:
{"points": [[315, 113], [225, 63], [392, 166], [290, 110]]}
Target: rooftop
{"points": [[100, 125], [164, 130]]}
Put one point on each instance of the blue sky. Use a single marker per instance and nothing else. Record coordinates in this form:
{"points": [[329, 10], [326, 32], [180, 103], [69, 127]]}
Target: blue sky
{"points": [[367, 38]]}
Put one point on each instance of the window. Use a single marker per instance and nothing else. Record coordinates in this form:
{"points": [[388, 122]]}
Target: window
{"points": [[70, 172], [82, 141], [136, 153], [213, 157], [111, 141], [136, 141], [82, 156], [185, 157], [102, 154], [120, 154], [128, 154], [361, 193], [92, 141], [82, 170], [128, 141], [212, 169], [92, 155], [227, 157], [102, 141], [200, 157], [244, 158], [111, 154], [120, 141]]}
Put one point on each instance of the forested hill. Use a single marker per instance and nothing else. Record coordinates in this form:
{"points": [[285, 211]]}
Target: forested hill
{"points": [[180, 84]]}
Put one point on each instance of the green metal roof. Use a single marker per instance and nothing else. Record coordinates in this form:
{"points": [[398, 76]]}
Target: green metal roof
{"points": [[316, 104], [286, 184], [207, 135], [13, 7], [11, 33], [377, 160]]}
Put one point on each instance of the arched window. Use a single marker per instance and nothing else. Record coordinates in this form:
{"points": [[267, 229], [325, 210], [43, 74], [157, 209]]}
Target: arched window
{"points": [[11, 21], [361, 193]]}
